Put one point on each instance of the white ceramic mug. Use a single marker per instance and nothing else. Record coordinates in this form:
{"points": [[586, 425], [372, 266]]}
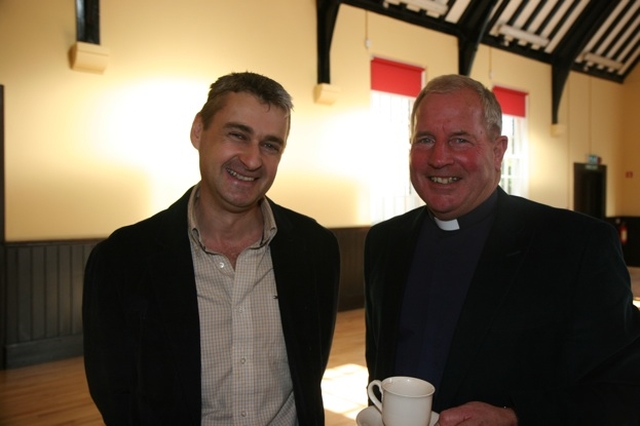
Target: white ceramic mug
{"points": [[406, 401]]}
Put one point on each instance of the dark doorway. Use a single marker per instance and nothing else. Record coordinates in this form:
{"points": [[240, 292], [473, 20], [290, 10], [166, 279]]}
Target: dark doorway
{"points": [[2, 224], [2, 237], [590, 189]]}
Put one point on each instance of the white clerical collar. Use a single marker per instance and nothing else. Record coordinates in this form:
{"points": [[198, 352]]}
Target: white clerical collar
{"points": [[447, 225]]}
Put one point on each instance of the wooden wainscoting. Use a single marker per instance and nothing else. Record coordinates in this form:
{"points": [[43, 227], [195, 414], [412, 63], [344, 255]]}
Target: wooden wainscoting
{"points": [[41, 308], [41, 295], [351, 242]]}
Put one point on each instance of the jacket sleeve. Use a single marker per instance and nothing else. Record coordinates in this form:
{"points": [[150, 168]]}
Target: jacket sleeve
{"points": [[599, 371], [108, 347]]}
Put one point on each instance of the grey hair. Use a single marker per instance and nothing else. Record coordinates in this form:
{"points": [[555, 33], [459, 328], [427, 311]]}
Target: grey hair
{"points": [[452, 83], [267, 90]]}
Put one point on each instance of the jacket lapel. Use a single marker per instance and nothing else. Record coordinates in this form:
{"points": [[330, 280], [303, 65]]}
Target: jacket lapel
{"points": [[296, 297], [497, 267], [403, 241], [304, 313], [173, 282]]}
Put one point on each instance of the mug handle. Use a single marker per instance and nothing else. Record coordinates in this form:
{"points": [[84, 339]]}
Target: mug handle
{"points": [[372, 395]]}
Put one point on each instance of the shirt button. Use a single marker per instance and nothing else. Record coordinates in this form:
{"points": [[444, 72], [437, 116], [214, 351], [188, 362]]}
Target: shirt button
{"points": [[243, 360], [243, 413], [221, 265]]}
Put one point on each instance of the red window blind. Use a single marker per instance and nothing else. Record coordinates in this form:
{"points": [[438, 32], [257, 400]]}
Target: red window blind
{"points": [[395, 77], [512, 102]]}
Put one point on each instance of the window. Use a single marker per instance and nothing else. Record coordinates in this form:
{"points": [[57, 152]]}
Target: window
{"points": [[394, 86], [514, 178]]}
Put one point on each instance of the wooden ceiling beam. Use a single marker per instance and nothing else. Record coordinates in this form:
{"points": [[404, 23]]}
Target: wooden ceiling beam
{"points": [[565, 55], [473, 27], [88, 21]]}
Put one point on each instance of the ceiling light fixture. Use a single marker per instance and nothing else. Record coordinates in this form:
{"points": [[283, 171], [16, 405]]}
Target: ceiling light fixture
{"points": [[428, 5], [600, 60], [522, 35]]}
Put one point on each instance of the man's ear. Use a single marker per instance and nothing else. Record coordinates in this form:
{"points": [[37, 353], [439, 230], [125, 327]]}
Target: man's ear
{"points": [[196, 131], [499, 148]]}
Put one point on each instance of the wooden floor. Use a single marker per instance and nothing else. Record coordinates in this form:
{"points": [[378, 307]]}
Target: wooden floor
{"points": [[56, 393], [344, 388], [47, 394]]}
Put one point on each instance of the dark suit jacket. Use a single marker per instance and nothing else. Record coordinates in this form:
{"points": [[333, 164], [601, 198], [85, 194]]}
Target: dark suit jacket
{"points": [[141, 325], [548, 325]]}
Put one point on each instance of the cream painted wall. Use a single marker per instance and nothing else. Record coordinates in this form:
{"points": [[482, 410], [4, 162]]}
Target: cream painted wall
{"points": [[593, 110], [86, 153], [547, 154], [629, 187]]}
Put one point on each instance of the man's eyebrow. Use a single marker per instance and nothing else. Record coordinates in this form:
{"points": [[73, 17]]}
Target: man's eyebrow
{"points": [[248, 129], [430, 133], [422, 133], [460, 133], [238, 126]]}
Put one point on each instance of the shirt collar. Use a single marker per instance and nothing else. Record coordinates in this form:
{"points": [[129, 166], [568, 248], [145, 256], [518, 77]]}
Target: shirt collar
{"points": [[447, 225], [485, 209], [269, 231]]}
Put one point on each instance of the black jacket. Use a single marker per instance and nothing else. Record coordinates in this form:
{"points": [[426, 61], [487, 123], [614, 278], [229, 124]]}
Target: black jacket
{"points": [[548, 326], [141, 324]]}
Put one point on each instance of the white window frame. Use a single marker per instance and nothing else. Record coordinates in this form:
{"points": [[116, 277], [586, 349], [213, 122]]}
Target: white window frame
{"points": [[391, 192], [514, 177]]}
